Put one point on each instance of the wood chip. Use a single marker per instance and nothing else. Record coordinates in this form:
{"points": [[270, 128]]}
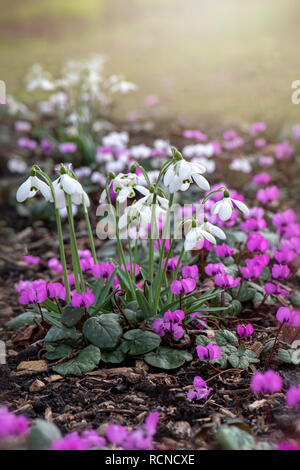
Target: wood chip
{"points": [[36, 386]]}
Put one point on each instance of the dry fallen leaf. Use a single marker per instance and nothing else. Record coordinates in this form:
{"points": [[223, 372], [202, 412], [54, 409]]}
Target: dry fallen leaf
{"points": [[36, 386], [36, 366]]}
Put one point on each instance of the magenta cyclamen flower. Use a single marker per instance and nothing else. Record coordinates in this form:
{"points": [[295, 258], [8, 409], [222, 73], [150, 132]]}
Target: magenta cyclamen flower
{"points": [[257, 127], [212, 269], [56, 289], [33, 260], [191, 272], [183, 287], [267, 195], [116, 433], [84, 298], [252, 271], [103, 270], [200, 391], [257, 243], [280, 271], [224, 251], [284, 315], [35, 295], [262, 178], [209, 352], [67, 147], [55, 265], [293, 396], [275, 289], [199, 320], [253, 225], [244, 330], [288, 446], [284, 150], [284, 256], [170, 323], [12, 425], [269, 382], [226, 280], [172, 264]]}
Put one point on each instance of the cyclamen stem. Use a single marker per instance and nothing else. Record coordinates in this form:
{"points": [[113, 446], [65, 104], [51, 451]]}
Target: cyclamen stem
{"points": [[273, 348]]}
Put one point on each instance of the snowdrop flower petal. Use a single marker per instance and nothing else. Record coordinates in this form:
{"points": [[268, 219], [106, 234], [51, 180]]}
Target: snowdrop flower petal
{"points": [[225, 209], [25, 191], [70, 185], [201, 181], [241, 206]]}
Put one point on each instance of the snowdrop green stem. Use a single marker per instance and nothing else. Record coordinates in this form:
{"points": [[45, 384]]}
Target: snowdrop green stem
{"points": [[161, 270], [75, 256], [59, 232]]}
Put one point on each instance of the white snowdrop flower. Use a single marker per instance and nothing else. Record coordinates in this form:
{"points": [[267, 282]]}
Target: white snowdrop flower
{"points": [[118, 140], [23, 126], [199, 150], [225, 207], [133, 216], [213, 229], [180, 175], [30, 187], [83, 172], [114, 166], [241, 164], [210, 165], [98, 177], [162, 146], [123, 87], [70, 185], [60, 100], [104, 157], [195, 235], [140, 152], [64, 214], [16, 166]]}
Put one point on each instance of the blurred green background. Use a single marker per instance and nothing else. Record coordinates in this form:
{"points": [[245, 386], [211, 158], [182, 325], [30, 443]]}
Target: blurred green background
{"points": [[230, 59]]}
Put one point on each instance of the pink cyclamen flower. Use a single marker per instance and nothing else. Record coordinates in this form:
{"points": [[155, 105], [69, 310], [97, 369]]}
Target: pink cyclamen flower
{"points": [[47, 147], [12, 425], [288, 446], [71, 441], [199, 321], [212, 269], [257, 127], [260, 143], [284, 256], [251, 272], [275, 289], [267, 195], [296, 131], [245, 330], [267, 383], [172, 264], [33, 260], [190, 272], [84, 298], [284, 150], [253, 225], [284, 315], [229, 135], [209, 352], [55, 265], [262, 178], [56, 289], [35, 295], [67, 147], [257, 243], [226, 280], [183, 287], [266, 161], [103, 270], [293, 396], [200, 391], [116, 433], [224, 251], [280, 271]]}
